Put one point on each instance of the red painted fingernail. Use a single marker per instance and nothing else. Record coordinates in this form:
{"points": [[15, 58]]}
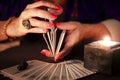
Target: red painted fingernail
{"points": [[53, 16], [58, 7], [57, 24], [58, 59], [43, 52], [51, 25]]}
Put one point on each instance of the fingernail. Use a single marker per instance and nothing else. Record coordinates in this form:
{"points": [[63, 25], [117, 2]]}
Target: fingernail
{"points": [[58, 7], [57, 24], [53, 16], [51, 25], [43, 52], [58, 59]]}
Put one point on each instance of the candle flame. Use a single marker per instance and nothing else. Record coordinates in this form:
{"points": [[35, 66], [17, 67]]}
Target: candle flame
{"points": [[107, 42], [106, 38]]}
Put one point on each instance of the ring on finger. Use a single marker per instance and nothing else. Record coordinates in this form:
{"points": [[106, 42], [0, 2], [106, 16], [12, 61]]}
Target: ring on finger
{"points": [[26, 24]]}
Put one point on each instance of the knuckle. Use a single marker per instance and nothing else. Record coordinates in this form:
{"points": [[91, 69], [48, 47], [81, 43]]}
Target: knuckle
{"points": [[28, 6], [42, 2]]}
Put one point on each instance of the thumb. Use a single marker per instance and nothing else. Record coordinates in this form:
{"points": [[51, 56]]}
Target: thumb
{"points": [[65, 51]]}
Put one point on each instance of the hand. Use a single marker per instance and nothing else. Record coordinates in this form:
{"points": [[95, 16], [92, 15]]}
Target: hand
{"points": [[77, 32], [74, 35], [32, 12]]}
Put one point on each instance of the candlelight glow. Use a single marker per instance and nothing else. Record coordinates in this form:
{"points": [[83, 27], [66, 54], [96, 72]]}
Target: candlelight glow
{"points": [[106, 38], [107, 42]]}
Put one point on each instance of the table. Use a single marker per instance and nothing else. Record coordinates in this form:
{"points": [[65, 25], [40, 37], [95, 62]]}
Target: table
{"points": [[30, 50]]}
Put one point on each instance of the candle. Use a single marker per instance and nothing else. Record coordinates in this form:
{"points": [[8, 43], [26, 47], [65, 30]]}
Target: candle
{"points": [[103, 56]]}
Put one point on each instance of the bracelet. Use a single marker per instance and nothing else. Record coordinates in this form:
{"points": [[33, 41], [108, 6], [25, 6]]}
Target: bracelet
{"points": [[3, 35]]}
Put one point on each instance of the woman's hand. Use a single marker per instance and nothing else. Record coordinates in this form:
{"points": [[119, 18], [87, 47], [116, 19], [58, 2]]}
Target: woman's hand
{"points": [[76, 32], [36, 14], [73, 36]]}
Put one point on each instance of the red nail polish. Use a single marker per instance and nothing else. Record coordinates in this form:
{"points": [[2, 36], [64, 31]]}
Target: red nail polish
{"points": [[53, 16], [57, 24], [43, 52], [58, 59], [51, 25], [58, 7]]}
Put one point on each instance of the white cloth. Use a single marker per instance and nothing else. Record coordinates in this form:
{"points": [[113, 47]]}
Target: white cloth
{"points": [[114, 28]]}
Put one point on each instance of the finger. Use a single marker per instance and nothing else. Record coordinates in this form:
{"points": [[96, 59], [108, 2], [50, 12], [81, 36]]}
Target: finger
{"points": [[47, 53], [41, 24], [42, 3], [65, 25], [37, 30], [62, 53], [37, 13], [56, 11]]}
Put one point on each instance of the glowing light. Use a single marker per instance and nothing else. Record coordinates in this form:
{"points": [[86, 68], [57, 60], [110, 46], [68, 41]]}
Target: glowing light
{"points": [[106, 38], [107, 42]]}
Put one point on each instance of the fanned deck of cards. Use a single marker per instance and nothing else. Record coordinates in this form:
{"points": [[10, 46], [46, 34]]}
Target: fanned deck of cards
{"points": [[51, 40], [40, 70]]}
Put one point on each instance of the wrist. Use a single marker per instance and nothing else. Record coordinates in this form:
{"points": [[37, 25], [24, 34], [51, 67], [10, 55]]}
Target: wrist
{"points": [[3, 31], [95, 31], [10, 37]]}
